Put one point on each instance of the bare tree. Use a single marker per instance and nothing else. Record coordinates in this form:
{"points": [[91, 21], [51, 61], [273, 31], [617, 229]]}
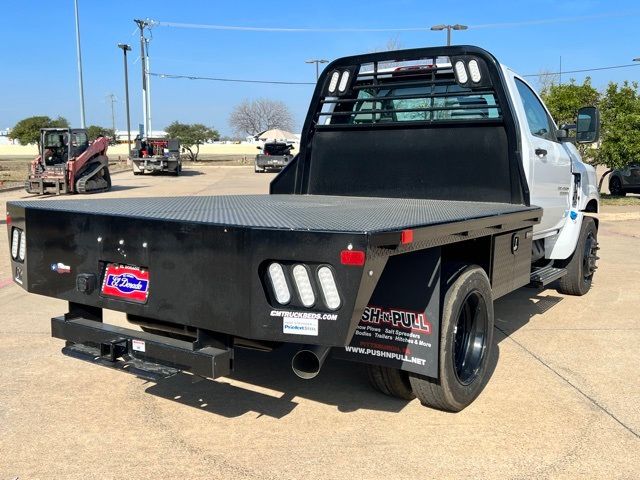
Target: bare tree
{"points": [[546, 80], [254, 116], [393, 43]]}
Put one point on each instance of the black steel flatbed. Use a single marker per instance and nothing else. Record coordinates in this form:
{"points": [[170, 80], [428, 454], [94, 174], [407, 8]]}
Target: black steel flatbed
{"points": [[315, 213]]}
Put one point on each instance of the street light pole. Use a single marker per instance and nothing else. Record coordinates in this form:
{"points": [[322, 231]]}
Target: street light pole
{"points": [[317, 62], [126, 48], [448, 28], [79, 55]]}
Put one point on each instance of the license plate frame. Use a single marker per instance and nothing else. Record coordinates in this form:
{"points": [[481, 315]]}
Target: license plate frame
{"points": [[125, 282]]}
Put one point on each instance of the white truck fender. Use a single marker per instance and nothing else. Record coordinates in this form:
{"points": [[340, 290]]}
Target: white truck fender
{"points": [[588, 196], [562, 245]]}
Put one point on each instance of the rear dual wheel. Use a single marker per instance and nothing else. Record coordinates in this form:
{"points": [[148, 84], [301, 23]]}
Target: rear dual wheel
{"points": [[466, 342]]}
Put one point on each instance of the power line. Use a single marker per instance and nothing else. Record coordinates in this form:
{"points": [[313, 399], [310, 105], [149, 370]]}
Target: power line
{"points": [[544, 21], [155, 23], [612, 67], [235, 80], [547, 21]]}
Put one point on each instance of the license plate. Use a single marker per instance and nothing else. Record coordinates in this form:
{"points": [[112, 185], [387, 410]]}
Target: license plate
{"points": [[126, 282]]}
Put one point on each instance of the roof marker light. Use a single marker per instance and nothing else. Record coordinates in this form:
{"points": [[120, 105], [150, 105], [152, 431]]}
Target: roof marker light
{"points": [[303, 285], [474, 71], [344, 80], [461, 72], [279, 283], [334, 81], [329, 288]]}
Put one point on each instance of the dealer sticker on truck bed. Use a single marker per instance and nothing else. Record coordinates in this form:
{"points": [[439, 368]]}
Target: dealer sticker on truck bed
{"points": [[300, 326], [126, 282]]}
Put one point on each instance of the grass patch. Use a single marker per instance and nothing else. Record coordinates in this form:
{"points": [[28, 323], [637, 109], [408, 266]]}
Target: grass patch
{"points": [[629, 200]]}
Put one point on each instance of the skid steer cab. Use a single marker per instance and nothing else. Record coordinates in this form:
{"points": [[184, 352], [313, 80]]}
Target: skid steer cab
{"points": [[69, 163]]}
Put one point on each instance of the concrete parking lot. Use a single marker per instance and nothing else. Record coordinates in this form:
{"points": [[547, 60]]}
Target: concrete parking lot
{"points": [[563, 402]]}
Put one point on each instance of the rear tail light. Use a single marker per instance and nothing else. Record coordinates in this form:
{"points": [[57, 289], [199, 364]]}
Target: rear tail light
{"points": [[303, 285], [329, 288], [23, 246], [15, 243], [279, 283]]}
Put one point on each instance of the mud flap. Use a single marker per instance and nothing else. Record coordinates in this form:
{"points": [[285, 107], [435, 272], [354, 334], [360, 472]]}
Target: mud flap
{"points": [[400, 328]]}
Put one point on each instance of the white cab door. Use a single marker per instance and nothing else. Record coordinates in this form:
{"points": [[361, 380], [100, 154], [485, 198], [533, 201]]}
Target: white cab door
{"points": [[549, 163]]}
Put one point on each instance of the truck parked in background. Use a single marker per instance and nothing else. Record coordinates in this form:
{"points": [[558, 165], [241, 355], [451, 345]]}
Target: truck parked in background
{"points": [[152, 155], [275, 156], [429, 183]]}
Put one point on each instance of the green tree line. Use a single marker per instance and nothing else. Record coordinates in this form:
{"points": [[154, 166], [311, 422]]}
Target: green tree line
{"points": [[619, 106]]}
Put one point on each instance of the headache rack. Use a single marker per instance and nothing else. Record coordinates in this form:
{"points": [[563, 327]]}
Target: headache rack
{"points": [[418, 91]]}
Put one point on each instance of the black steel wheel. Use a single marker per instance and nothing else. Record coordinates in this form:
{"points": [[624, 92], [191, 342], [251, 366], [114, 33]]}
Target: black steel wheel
{"points": [[582, 264], [615, 187], [466, 342], [470, 338]]}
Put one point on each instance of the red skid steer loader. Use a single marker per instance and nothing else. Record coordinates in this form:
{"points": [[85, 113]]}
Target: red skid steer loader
{"points": [[68, 163]]}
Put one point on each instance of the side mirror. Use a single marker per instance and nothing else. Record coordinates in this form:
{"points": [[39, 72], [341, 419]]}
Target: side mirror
{"points": [[588, 125], [259, 148]]}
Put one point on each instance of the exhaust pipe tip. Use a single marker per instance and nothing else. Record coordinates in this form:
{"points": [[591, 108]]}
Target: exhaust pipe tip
{"points": [[308, 361]]}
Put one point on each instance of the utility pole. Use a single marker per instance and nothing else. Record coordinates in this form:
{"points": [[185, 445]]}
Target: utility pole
{"points": [[317, 62], [126, 48], [560, 70], [112, 98], [145, 77], [79, 57], [148, 69]]}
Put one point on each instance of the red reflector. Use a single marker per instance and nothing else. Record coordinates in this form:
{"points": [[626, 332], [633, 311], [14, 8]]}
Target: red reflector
{"points": [[8, 219], [406, 236], [352, 257]]}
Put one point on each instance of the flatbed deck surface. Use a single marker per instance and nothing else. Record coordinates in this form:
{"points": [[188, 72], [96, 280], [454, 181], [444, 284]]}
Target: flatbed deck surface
{"points": [[288, 212]]}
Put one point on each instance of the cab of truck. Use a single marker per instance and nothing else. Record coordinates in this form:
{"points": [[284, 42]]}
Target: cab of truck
{"points": [[482, 128]]}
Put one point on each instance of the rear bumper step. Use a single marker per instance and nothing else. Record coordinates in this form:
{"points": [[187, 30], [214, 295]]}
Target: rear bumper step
{"points": [[145, 354]]}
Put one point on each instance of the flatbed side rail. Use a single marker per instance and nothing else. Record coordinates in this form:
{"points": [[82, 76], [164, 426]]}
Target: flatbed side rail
{"points": [[450, 232]]}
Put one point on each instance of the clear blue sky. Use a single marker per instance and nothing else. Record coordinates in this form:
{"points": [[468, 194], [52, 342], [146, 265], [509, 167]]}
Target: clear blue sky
{"points": [[39, 76]]}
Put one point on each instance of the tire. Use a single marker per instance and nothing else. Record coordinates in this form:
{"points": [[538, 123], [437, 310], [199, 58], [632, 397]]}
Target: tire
{"points": [[581, 265], [615, 187], [390, 381], [466, 342]]}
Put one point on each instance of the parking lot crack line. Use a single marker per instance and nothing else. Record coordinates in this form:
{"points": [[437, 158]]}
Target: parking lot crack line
{"points": [[575, 387]]}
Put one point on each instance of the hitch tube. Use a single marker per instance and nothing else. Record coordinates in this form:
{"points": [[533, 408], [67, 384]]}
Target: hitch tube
{"points": [[307, 361]]}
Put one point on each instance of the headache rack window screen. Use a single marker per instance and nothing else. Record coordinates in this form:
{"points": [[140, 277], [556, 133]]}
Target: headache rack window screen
{"points": [[395, 93]]}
